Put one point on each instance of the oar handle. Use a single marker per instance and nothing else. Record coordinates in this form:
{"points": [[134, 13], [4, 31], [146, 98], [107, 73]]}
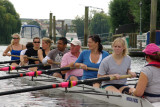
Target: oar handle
{"points": [[121, 77], [93, 69], [27, 57]]}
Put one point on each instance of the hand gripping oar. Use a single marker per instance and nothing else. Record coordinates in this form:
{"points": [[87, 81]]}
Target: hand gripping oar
{"points": [[4, 62], [8, 68], [58, 63], [62, 84]]}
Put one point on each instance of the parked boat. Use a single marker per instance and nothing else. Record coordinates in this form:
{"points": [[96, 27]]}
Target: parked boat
{"points": [[28, 32]]}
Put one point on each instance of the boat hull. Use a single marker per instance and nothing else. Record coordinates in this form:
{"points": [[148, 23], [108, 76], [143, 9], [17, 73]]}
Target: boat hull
{"points": [[86, 92]]}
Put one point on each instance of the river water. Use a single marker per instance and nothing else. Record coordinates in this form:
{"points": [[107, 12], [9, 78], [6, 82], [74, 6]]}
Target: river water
{"points": [[38, 99]]}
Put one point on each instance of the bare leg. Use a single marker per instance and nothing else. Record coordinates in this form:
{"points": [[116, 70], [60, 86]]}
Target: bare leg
{"points": [[112, 88], [97, 85], [73, 78], [33, 69], [14, 64], [56, 74]]}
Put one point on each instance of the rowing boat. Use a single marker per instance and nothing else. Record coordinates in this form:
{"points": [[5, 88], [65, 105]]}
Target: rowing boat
{"points": [[84, 91]]}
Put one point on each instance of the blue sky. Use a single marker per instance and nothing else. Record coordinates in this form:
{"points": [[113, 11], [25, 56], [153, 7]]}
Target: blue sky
{"points": [[62, 9]]}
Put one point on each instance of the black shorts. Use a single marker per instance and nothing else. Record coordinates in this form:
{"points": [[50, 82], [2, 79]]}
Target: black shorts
{"points": [[118, 86], [91, 84]]}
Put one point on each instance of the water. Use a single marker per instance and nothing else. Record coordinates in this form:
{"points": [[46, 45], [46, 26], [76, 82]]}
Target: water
{"points": [[38, 99]]}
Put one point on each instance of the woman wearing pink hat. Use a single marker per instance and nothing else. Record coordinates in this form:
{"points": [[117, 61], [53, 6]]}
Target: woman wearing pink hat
{"points": [[149, 81]]}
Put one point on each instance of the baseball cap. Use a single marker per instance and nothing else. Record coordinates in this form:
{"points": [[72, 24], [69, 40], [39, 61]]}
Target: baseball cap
{"points": [[75, 42], [151, 49]]}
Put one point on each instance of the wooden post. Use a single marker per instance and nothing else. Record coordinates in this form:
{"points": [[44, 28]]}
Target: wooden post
{"points": [[50, 26], [63, 28], [54, 29], [66, 29], [153, 20], [86, 26], [135, 40]]}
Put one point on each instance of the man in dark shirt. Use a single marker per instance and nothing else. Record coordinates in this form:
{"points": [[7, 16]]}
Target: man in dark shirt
{"points": [[33, 52]]}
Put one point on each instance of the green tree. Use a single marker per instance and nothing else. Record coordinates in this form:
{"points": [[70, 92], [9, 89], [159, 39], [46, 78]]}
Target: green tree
{"points": [[79, 24], [120, 13], [99, 24], [9, 21], [146, 9]]}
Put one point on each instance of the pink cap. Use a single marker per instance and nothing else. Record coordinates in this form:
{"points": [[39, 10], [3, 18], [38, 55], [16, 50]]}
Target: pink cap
{"points": [[151, 49]]}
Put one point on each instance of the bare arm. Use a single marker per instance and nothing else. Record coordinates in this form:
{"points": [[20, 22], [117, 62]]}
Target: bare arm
{"points": [[133, 74], [40, 55], [24, 60], [100, 76], [23, 57], [141, 86], [5, 53]]}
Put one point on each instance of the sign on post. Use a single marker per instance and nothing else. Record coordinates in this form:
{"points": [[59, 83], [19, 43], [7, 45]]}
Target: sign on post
{"points": [[141, 37]]}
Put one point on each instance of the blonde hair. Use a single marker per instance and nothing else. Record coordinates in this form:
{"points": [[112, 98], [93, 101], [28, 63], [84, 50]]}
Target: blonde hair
{"points": [[124, 44], [15, 34], [47, 40]]}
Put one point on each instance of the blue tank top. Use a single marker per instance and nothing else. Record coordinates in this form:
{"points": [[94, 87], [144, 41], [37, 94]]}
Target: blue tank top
{"points": [[16, 52]]}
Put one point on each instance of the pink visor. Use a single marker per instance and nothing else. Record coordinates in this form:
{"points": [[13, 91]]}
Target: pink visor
{"points": [[151, 49]]}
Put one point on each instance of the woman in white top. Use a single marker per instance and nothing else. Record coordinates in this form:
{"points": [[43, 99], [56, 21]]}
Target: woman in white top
{"points": [[23, 57]]}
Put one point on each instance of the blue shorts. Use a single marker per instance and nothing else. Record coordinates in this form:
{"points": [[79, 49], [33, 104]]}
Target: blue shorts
{"points": [[118, 86], [78, 77]]}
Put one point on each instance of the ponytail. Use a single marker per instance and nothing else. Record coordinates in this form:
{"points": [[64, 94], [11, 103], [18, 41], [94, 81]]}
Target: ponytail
{"points": [[96, 38], [100, 47]]}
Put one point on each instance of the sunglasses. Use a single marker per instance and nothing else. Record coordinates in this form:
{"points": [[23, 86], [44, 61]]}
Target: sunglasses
{"points": [[15, 38], [36, 42]]}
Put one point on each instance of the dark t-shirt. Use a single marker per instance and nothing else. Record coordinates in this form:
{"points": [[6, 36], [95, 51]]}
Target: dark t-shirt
{"points": [[32, 53], [44, 67]]}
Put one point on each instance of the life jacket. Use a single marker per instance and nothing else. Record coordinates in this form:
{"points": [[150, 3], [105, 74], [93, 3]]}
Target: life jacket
{"points": [[154, 63]]}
